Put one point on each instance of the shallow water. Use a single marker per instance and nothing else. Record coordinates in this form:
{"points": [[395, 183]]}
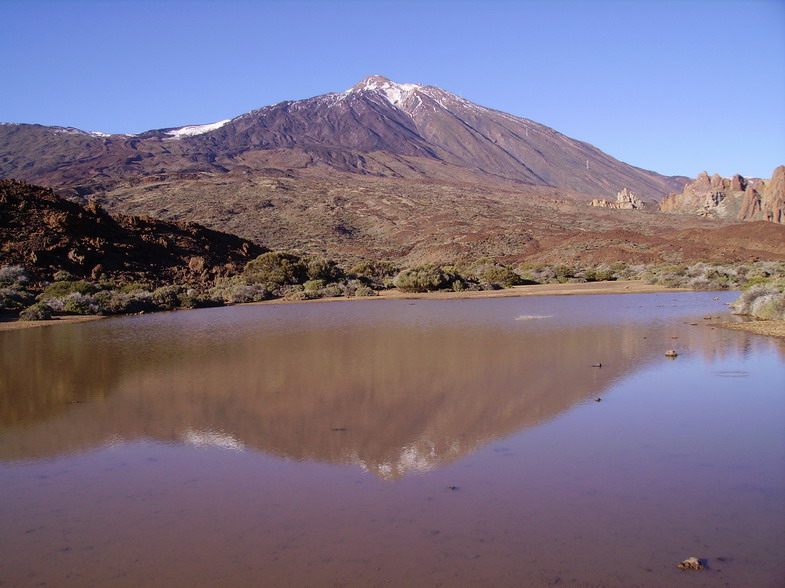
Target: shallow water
{"points": [[395, 443]]}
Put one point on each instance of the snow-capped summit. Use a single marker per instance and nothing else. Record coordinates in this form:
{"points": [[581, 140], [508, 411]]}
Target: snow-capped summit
{"points": [[395, 93]]}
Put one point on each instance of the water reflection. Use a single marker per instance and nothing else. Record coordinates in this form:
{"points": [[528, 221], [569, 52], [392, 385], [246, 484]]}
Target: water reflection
{"points": [[392, 387]]}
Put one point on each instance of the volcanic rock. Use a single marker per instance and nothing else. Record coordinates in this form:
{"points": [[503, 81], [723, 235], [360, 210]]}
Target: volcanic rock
{"points": [[732, 198], [46, 234]]}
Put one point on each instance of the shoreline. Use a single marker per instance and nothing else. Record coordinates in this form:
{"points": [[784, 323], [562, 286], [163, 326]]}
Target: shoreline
{"points": [[58, 320], [758, 327], [582, 289]]}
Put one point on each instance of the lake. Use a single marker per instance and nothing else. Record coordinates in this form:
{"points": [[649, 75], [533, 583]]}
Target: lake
{"points": [[396, 443]]}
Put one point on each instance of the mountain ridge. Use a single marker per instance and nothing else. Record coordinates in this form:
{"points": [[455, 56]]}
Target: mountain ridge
{"points": [[376, 127]]}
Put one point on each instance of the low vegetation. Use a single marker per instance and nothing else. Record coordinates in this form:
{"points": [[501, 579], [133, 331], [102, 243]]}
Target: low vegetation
{"points": [[288, 276], [763, 299]]}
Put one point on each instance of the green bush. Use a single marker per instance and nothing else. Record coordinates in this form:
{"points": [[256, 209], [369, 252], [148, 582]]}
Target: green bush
{"points": [[36, 312], [500, 276], [422, 278], [78, 303], [62, 276], [319, 268], [119, 302], [377, 274], [66, 287], [280, 269], [167, 297]]}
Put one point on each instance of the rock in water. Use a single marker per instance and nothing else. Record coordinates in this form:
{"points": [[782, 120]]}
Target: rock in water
{"points": [[691, 563]]}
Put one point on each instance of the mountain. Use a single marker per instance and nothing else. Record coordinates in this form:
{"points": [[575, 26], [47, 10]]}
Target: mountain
{"points": [[377, 127], [404, 172], [736, 198], [46, 233]]}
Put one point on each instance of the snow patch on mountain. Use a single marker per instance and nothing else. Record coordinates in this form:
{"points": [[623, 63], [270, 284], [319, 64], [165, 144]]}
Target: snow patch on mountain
{"points": [[396, 94], [192, 130], [75, 131]]}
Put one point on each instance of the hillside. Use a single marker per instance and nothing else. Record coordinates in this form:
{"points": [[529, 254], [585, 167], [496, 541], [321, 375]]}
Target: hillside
{"points": [[45, 234]]}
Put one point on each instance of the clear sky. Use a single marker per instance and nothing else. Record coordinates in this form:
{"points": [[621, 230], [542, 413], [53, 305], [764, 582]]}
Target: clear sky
{"points": [[674, 86]]}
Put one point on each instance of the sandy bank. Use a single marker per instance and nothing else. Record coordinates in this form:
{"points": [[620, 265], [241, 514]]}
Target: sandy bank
{"points": [[620, 287], [770, 328], [58, 320], [589, 288]]}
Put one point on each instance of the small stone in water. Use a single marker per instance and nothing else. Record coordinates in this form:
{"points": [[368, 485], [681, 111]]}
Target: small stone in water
{"points": [[691, 563]]}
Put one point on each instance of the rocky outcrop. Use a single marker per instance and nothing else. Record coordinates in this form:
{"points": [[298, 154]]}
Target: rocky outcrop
{"points": [[731, 198], [46, 234], [625, 200]]}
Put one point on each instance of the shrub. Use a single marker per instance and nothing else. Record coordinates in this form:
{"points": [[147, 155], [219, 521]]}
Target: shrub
{"points": [[191, 298], [66, 287], [771, 307], [319, 268], [378, 274], [118, 302], [421, 279], [78, 303], [332, 290], [500, 276], [14, 298], [276, 268], [133, 287], [36, 312], [62, 276], [749, 299], [12, 274], [299, 295], [314, 285], [167, 297], [240, 292]]}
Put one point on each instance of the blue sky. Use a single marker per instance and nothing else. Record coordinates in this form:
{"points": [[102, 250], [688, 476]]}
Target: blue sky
{"points": [[674, 86]]}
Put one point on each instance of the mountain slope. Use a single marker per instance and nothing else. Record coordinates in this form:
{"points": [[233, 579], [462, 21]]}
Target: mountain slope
{"points": [[377, 127]]}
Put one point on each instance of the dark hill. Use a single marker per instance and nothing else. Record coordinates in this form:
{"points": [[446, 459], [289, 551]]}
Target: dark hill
{"points": [[45, 233]]}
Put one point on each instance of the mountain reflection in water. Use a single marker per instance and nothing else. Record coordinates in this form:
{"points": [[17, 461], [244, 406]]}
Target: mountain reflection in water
{"points": [[393, 387]]}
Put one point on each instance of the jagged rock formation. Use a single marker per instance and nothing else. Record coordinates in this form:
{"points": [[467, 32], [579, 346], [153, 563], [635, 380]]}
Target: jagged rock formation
{"points": [[45, 234], [625, 200], [732, 198]]}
